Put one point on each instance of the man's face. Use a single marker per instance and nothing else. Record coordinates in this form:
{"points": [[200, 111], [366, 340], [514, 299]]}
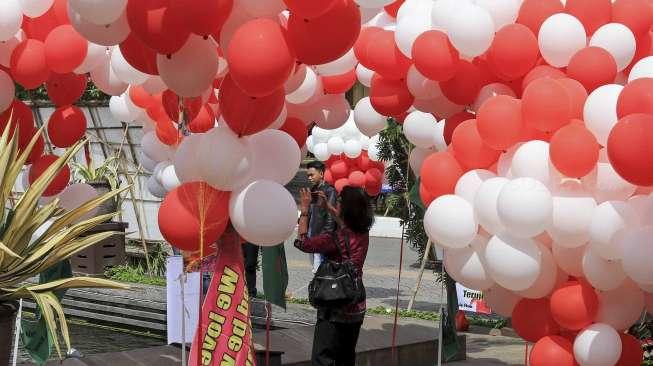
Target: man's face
{"points": [[314, 176]]}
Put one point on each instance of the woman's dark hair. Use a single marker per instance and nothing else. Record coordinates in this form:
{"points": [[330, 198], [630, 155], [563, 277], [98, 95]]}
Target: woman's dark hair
{"points": [[355, 210], [317, 165]]}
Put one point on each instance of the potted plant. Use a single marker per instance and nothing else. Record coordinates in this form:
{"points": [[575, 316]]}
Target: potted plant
{"points": [[104, 179], [24, 253]]}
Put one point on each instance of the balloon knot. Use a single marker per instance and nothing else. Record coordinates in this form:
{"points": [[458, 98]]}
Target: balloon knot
{"points": [[169, 56]]}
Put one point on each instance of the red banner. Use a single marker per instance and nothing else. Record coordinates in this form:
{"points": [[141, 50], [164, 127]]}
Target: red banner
{"points": [[224, 334]]}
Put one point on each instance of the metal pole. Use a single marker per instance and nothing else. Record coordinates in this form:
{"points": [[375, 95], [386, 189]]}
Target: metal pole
{"points": [[419, 276], [17, 337], [182, 278]]}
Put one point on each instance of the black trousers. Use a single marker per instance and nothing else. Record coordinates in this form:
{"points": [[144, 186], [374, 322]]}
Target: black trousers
{"points": [[334, 344], [250, 254]]}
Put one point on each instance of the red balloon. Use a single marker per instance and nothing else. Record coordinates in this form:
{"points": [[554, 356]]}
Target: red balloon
{"points": [[574, 305], [363, 161], [328, 176], [530, 133], [260, 59], [296, 128], [309, 9], [139, 55], [373, 178], [59, 182], [64, 89], [636, 97], [247, 115], [574, 150], [203, 17], [66, 126], [393, 8], [592, 67], [592, 13], [514, 52], [542, 71], [65, 49], [360, 47], [390, 97], [632, 352], [325, 38], [340, 184], [434, 56], [204, 121], [469, 148], [426, 196], [384, 56], [39, 28], [373, 191], [463, 88], [167, 132], [642, 49], [634, 14], [28, 66], [357, 179], [630, 148], [499, 122], [170, 102], [546, 105], [37, 149], [194, 213], [339, 84], [21, 116], [532, 319], [339, 169], [157, 24], [533, 13], [577, 95], [440, 173], [140, 97], [60, 9], [553, 351], [451, 123]]}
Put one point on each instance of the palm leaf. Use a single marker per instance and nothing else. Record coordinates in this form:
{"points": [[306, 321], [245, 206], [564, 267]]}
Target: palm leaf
{"points": [[48, 316]]}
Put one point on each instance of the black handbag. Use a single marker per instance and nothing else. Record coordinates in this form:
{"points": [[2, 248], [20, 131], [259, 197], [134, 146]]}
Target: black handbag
{"points": [[336, 284]]}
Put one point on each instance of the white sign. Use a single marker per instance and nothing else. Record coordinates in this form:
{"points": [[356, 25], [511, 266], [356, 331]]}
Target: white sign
{"points": [[471, 300], [191, 303]]}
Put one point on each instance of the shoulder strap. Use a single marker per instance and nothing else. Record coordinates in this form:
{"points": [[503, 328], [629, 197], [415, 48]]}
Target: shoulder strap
{"points": [[336, 240]]}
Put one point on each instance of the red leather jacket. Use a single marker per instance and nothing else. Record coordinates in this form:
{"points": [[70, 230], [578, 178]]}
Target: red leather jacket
{"points": [[325, 245]]}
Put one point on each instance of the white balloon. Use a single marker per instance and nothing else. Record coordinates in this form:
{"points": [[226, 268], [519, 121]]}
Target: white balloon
{"points": [[514, 263], [373, 3], [7, 91], [368, 120], [11, 18], [439, 142], [471, 30], [417, 157], [421, 87], [124, 71], [642, 69], [342, 65], [637, 250], [410, 27], [310, 86], [95, 55], [419, 128], [320, 134], [609, 223], [147, 163], [622, 307], [7, 48], [364, 75], [467, 265], [365, 142], [501, 300], [226, 159], [257, 8], [275, 156], [546, 281], [109, 34], [606, 183], [491, 90], [99, 11], [503, 12], [191, 70], [353, 148], [155, 149], [119, 110], [281, 119], [169, 179], [439, 106], [187, 160], [321, 151], [485, 204], [597, 345], [296, 78], [158, 170], [155, 188], [601, 273], [107, 81], [35, 8], [373, 148], [77, 194], [154, 85], [572, 215], [531, 160], [525, 207], [443, 12], [449, 221], [335, 109], [600, 111], [560, 37], [263, 213], [618, 40], [367, 14], [470, 183], [569, 260]]}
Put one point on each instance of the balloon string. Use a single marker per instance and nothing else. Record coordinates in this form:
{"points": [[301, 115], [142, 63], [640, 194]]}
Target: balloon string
{"points": [[201, 210], [268, 320], [526, 355], [394, 324]]}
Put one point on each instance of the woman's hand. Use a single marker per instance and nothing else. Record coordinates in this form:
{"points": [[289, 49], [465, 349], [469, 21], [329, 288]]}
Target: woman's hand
{"points": [[324, 202], [304, 200]]}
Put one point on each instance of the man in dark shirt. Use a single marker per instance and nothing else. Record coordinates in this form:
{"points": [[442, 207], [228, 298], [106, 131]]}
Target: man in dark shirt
{"points": [[320, 221]]}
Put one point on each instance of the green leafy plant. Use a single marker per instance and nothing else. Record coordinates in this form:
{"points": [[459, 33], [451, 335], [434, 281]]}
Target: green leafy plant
{"points": [[106, 172], [24, 255], [133, 274]]}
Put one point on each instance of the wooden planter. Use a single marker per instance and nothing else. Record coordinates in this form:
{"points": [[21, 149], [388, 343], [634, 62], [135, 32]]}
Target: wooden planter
{"points": [[94, 261], [7, 322], [109, 206]]}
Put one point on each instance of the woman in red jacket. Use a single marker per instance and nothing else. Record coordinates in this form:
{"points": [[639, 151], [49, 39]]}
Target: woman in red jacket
{"points": [[337, 329]]}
